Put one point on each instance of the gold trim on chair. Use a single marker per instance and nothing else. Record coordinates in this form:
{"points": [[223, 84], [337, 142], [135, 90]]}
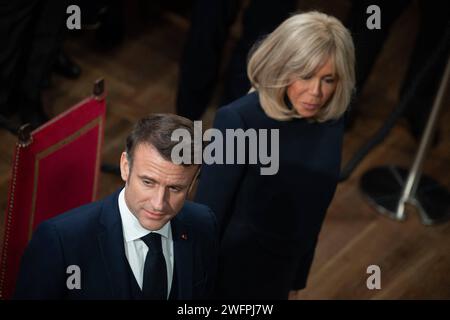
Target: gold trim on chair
{"points": [[41, 155]]}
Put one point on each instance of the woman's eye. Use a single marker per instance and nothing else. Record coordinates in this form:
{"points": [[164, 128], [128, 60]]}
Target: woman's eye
{"points": [[329, 80]]}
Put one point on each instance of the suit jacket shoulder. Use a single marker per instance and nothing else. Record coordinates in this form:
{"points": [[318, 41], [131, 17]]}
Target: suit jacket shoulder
{"points": [[198, 217]]}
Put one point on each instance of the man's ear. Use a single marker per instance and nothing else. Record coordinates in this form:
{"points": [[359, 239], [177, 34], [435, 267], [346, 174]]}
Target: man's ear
{"points": [[124, 167]]}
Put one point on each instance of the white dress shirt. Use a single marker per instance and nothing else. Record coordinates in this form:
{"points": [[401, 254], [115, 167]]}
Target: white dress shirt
{"points": [[136, 249]]}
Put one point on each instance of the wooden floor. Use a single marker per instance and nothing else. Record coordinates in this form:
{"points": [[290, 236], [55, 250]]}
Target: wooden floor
{"points": [[141, 78]]}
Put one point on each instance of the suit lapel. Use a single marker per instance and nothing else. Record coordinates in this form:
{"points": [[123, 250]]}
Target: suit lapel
{"points": [[112, 247], [113, 252], [183, 251]]}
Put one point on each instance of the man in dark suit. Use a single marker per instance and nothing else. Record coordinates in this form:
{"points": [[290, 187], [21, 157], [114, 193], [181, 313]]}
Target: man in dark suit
{"points": [[144, 241]]}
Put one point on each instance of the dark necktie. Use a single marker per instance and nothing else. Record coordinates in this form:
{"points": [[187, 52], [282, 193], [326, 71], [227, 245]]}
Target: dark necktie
{"points": [[154, 285]]}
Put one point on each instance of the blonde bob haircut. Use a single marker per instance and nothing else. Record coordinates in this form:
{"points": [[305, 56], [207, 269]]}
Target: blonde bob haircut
{"points": [[299, 47]]}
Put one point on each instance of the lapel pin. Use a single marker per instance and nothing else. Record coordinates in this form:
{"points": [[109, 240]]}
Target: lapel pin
{"points": [[184, 236]]}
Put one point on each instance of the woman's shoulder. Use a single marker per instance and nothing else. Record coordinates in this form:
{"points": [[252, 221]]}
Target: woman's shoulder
{"points": [[250, 100], [247, 108], [334, 124], [247, 111]]}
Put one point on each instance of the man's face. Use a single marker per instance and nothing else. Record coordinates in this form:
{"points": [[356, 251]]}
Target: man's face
{"points": [[155, 188]]}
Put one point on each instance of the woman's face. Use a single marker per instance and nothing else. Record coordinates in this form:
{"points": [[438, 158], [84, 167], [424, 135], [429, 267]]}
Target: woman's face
{"points": [[311, 93]]}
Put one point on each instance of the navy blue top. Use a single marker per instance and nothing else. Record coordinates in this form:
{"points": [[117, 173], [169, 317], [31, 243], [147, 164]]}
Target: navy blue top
{"points": [[270, 223]]}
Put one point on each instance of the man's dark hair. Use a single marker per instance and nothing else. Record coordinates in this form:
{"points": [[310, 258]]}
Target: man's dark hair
{"points": [[156, 130]]}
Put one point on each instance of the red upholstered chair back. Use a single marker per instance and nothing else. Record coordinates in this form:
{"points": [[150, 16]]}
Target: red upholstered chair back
{"points": [[55, 168]]}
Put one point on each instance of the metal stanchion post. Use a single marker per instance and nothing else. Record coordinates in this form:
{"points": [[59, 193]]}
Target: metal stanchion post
{"points": [[387, 189]]}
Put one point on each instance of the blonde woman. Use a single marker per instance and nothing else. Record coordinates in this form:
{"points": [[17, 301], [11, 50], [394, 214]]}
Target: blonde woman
{"points": [[303, 77]]}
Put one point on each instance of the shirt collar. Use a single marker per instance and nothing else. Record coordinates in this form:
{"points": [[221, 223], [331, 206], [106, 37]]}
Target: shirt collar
{"points": [[132, 229]]}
